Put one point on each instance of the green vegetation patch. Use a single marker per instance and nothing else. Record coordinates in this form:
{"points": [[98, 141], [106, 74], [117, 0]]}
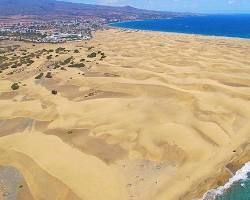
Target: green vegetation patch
{"points": [[2, 51], [5, 65], [3, 58], [15, 86], [67, 61], [77, 65], [26, 60], [39, 76], [49, 57], [16, 65], [48, 75], [61, 50], [92, 55], [57, 65], [103, 56]]}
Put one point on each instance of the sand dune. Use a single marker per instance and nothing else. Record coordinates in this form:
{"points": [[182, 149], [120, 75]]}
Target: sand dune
{"points": [[152, 116]]}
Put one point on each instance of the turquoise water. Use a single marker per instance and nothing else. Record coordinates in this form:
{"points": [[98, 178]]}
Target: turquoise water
{"points": [[216, 25], [238, 191], [237, 188]]}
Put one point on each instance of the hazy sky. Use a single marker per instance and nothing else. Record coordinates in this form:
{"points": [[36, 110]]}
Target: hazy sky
{"points": [[205, 6]]}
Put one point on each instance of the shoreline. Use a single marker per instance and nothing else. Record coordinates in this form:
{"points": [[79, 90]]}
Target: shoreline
{"points": [[223, 177], [180, 33], [112, 25], [241, 174]]}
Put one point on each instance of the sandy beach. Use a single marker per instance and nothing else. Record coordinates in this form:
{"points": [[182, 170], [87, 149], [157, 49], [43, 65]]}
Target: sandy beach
{"points": [[128, 115]]}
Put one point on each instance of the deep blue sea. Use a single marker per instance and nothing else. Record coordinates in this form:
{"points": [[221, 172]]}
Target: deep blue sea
{"points": [[237, 25]]}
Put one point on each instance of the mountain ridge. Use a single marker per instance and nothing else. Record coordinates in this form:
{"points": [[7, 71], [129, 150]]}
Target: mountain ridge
{"points": [[61, 8]]}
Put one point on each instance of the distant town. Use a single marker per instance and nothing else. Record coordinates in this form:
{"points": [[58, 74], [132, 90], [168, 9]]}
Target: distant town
{"points": [[57, 21], [55, 31]]}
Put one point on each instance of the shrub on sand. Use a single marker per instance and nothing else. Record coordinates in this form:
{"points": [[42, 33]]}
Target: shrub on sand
{"points": [[48, 75], [77, 65], [15, 86], [39, 76], [54, 92], [92, 55]]}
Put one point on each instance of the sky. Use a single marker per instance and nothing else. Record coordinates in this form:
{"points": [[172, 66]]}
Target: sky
{"points": [[197, 6]]}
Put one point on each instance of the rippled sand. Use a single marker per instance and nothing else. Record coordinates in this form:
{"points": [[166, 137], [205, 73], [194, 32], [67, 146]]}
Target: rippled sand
{"points": [[156, 119]]}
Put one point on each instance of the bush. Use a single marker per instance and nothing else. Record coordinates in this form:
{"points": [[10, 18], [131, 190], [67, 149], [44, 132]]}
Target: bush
{"points": [[39, 76], [49, 57], [16, 65], [48, 75], [67, 61], [60, 49], [76, 51], [54, 92], [26, 60], [103, 57], [15, 86], [78, 65], [57, 65], [10, 73], [3, 58], [92, 55]]}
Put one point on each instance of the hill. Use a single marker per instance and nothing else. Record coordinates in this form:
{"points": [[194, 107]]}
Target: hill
{"points": [[59, 8]]}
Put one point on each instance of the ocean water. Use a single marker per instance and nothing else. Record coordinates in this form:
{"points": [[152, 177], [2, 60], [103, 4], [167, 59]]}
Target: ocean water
{"points": [[237, 188], [238, 191], [215, 25]]}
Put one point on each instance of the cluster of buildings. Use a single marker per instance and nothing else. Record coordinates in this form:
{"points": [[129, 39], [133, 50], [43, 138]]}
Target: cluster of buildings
{"points": [[55, 31]]}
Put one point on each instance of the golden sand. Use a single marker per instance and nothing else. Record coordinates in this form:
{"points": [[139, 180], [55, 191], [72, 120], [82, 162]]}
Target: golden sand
{"points": [[154, 119]]}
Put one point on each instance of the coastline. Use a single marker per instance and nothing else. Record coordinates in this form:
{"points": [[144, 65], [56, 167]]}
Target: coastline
{"points": [[208, 188], [179, 33], [113, 25]]}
